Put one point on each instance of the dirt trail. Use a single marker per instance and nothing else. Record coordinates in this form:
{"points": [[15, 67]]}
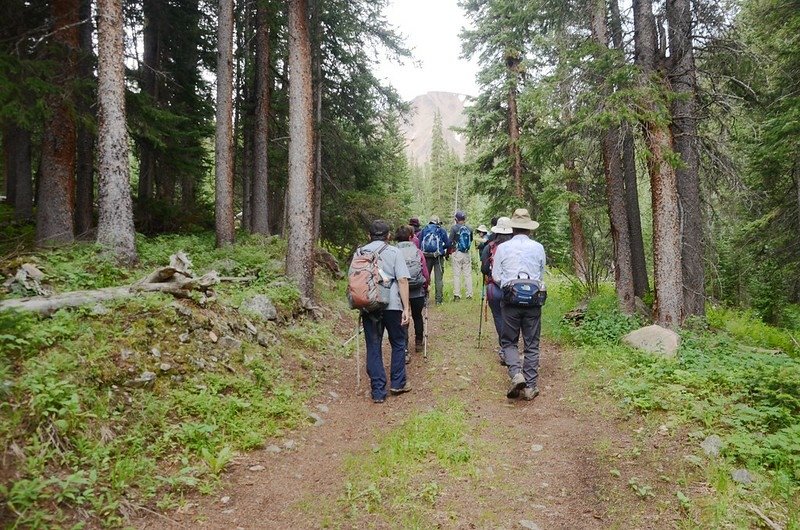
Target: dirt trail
{"points": [[545, 462]]}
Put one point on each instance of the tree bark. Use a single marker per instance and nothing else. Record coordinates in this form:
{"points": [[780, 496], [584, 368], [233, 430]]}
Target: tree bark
{"points": [[115, 224], [615, 184], [260, 189], [151, 63], [317, 94], [18, 171], [56, 205], [300, 189], [683, 80], [9, 151], [663, 181], [84, 190], [512, 64], [224, 133], [577, 236]]}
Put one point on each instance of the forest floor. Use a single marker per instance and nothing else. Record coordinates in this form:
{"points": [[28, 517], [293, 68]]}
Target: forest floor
{"points": [[453, 453]]}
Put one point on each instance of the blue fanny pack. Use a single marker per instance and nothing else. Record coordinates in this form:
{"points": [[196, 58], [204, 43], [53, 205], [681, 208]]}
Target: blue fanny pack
{"points": [[525, 292]]}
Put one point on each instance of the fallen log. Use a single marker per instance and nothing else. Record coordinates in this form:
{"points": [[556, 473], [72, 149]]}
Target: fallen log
{"points": [[176, 279]]}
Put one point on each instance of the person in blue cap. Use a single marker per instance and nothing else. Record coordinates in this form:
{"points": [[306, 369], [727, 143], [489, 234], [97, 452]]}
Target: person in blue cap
{"points": [[461, 241]]}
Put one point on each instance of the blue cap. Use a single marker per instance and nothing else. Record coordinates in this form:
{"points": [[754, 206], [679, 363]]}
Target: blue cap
{"points": [[461, 216]]}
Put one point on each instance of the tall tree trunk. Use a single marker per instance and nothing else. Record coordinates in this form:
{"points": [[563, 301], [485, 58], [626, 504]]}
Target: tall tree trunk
{"points": [[224, 136], [316, 61], [638, 262], [260, 190], [18, 171], [115, 223], [512, 64], [577, 236], [9, 152], [663, 181], [84, 190], [151, 63], [683, 81], [615, 184], [300, 189], [56, 205]]}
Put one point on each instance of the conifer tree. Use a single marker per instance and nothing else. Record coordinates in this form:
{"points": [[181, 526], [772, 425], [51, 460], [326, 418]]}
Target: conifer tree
{"points": [[224, 136]]}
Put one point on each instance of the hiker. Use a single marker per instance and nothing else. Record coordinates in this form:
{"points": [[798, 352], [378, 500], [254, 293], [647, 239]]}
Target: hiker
{"points": [[414, 222], [494, 295], [418, 281], [480, 237], [460, 243], [434, 244], [488, 237], [391, 313], [519, 267]]}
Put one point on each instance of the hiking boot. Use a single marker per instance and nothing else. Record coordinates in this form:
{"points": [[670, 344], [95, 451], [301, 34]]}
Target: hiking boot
{"points": [[529, 394], [517, 384], [397, 391], [419, 345], [378, 400], [456, 298]]}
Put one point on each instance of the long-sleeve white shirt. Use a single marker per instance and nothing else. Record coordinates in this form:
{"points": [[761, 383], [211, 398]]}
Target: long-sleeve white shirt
{"points": [[519, 255]]}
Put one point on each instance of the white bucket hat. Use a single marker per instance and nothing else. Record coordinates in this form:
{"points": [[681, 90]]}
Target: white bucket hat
{"points": [[503, 226], [522, 219], [482, 228]]}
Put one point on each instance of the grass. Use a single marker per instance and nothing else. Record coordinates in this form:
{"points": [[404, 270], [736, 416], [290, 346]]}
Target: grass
{"points": [[85, 441], [717, 385], [396, 480]]}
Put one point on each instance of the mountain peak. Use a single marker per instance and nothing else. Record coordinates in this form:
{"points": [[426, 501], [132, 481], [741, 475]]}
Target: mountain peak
{"points": [[419, 128]]}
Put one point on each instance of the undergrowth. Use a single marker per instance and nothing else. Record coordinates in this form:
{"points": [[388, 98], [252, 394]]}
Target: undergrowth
{"points": [[718, 385], [87, 439]]}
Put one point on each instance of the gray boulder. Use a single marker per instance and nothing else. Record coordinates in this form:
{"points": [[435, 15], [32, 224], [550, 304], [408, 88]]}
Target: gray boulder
{"points": [[654, 339], [230, 343], [262, 306], [712, 445]]}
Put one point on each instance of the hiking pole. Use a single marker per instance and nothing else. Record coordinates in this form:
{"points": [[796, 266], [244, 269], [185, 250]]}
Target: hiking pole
{"points": [[358, 355], [480, 314], [425, 331]]}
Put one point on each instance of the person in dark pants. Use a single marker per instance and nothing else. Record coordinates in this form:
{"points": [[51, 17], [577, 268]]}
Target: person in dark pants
{"points": [[494, 295], [518, 258], [434, 244], [417, 283], [392, 319]]}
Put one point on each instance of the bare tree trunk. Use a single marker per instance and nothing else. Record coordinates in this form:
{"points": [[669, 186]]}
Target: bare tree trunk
{"points": [[56, 205], [9, 151], [18, 171], [300, 189], [512, 64], [683, 81], [84, 190], [115, 224], [663, 181], [224, 137], [577, 236], [615, 185], [638, 261], [260, 191], [316, 62], [151, 62]]}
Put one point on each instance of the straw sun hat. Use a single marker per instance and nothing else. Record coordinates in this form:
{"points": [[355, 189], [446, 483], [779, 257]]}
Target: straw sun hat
{"points": [[522, 219]]}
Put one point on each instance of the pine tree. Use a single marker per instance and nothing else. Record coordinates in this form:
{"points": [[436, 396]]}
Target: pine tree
{"points": [[224, 137]]}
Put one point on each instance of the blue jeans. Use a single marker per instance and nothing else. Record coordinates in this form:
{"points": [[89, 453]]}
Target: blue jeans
{"points": [[494, 297], [374, 325]]}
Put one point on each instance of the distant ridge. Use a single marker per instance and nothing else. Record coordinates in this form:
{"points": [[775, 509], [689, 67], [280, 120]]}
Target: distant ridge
{"points": [[420, 124]]}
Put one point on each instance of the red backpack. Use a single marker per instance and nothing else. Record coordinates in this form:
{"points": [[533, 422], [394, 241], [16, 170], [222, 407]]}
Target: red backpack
{"points": [[365, 286]]}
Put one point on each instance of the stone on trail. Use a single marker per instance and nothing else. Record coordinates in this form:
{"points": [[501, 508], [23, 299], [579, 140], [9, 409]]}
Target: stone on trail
{"points": [[323, 408], [225, 500], [213, 337], [333, 394], [144, 379], [183, 337], [257, 467], [273, 449], [289, 444], [229, 343], [654, 339], [317, 419], [530, 525], [536, 448], [165, 367], [742, 476], [260, 305], [712, 445]]}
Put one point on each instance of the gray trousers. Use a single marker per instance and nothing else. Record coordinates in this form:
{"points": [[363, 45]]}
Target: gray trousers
{"points": [[435, 269], [528, 321]]}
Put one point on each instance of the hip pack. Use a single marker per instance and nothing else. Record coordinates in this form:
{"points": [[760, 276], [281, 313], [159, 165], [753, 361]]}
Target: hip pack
{"points": [[525, 292]]}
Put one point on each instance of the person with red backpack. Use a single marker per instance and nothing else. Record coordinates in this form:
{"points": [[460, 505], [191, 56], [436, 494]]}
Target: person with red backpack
{"points": [[418, 280], [494, 295], [378, 287]]}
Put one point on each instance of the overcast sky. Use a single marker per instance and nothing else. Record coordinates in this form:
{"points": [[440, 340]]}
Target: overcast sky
{"points": [[431, 29]]}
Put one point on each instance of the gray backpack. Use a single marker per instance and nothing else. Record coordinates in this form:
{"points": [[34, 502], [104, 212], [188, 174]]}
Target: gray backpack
{"points": [[411, 255]]}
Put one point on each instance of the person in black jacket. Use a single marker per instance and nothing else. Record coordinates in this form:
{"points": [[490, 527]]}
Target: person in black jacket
{"points": [[494, 295]]}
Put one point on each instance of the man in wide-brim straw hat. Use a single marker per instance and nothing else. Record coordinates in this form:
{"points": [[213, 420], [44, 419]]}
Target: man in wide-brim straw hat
{"points": [[519, 258]]}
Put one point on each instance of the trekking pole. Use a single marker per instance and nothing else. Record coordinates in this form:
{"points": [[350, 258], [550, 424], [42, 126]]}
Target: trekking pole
{"points": [[358, 355], [425, 331], [480, 314]]}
